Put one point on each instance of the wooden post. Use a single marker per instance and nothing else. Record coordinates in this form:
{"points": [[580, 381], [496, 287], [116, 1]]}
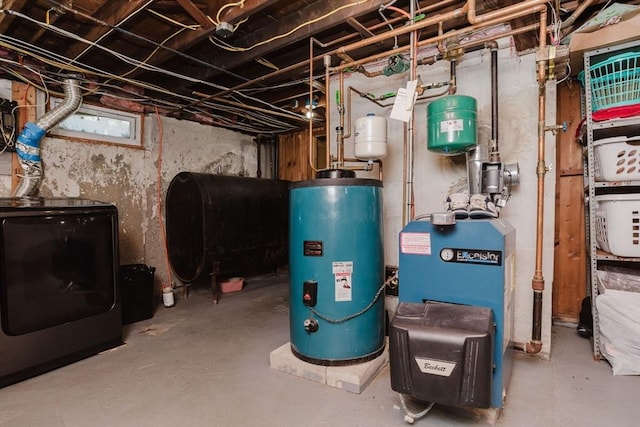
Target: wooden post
{"points": [[570, 266], [25, 96]]}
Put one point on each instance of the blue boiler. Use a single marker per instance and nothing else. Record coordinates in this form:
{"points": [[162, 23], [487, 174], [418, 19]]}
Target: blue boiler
{"points": [[470, 263], [336, 264]]}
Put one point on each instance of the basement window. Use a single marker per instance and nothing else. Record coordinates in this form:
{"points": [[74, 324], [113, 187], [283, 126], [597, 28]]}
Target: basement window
{"points": [[98, 124]]}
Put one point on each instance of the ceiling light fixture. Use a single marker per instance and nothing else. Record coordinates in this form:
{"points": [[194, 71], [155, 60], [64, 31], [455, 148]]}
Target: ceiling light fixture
{"points": [[313, 104], [224, 30]]}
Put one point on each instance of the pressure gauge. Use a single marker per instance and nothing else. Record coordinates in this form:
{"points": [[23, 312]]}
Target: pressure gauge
{"points": [[446, 254]]}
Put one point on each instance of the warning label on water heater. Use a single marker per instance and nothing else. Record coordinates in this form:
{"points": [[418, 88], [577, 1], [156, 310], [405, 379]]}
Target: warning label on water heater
{"points": [[342, 273]]}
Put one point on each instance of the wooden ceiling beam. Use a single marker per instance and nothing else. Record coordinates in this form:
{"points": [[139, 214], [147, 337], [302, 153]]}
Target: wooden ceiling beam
{"points": [[195, 13], [235, 14], [311, 13], [112, 13], [361, 29], [5, 19], [188, 39]]}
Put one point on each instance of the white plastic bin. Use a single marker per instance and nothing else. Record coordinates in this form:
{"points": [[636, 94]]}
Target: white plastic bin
{"points": [[617, 158], [618, 224]]}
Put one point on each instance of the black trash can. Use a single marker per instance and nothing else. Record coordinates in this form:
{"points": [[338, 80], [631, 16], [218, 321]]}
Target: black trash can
{"points": [[136, 285]]}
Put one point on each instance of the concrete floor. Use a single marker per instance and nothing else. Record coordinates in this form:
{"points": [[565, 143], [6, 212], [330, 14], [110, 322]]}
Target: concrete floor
{"points": [[199, 364]]}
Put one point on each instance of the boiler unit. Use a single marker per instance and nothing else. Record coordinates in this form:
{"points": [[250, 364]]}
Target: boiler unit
{"points": [[456, 296], [336, 267]]}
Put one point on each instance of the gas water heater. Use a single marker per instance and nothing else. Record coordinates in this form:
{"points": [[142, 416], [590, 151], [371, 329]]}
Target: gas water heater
{"points": [[451, 337]]}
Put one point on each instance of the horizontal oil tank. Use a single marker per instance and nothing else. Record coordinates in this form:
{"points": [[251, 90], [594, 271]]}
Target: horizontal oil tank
{"points": [[240, 223]]}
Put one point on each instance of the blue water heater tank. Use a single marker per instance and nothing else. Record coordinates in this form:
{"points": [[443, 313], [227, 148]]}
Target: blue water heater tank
{"points": [[336, 267]]}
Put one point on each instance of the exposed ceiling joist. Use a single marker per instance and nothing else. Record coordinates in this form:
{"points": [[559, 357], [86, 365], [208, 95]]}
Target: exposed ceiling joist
{"points": [[318, 17], [361, 29], [157, 53], [195, 13], [112, 14]]}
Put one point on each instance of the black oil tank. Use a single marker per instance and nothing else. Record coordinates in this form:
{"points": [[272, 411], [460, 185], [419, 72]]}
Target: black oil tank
{"points": [[240, 223]]}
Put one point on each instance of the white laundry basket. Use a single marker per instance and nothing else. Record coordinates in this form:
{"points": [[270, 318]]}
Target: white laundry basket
{"points": [[618, 224], [617, 158]]}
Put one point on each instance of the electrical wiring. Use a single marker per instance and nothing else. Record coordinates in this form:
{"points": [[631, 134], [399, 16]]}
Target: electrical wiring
{"points": [[144, 61], [50, 58], [245, 96], [400, 11], [228, 5], [63, 8], [42, 56], [296, 28], [235, 27], [223, 108], [556, 25], [303, 81], [120, 56], [128, 33], [269, 125], [260, 101], [126, 59], [173, 21], [223, 45], [266, 63], [384, 18]]}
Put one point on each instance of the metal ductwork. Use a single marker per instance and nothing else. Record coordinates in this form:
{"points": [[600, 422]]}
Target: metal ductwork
{"points": [[28, 142]]}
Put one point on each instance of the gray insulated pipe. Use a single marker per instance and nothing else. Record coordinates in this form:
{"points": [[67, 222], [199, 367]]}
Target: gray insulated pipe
{"points": [[28, 142]]}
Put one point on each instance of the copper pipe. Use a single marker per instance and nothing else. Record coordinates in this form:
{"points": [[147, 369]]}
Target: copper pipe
{"points": [[327, 110], [462, 31], [433, 59], [504, 14], [304, 63], [500, 13], [347, 127], [340, 129], [378, 161], [369, 74], [425, 9], [537, 282], [254, 108], [441, 48], [347, 130], [403, 30], [456, 13], [310, 157], [576, 13]]}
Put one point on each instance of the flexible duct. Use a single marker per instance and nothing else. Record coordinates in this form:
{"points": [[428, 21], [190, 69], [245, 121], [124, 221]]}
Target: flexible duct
{"points": [[28, 143]]}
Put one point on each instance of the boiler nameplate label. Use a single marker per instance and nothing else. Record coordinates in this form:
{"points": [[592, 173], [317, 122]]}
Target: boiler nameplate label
{"points": [[312, 248], [472, 256], [435, 367]]}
